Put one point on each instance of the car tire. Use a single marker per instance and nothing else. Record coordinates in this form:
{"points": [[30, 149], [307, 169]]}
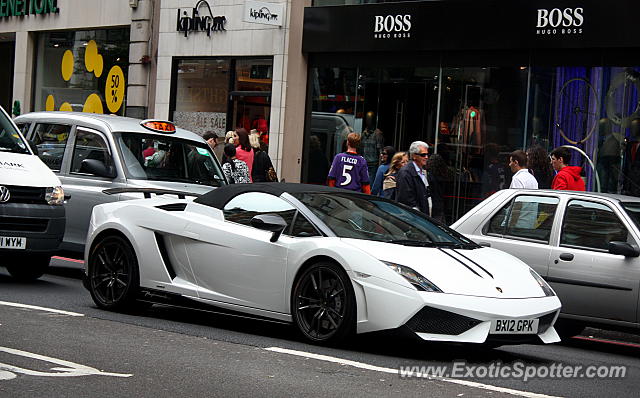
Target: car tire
{"points": [[323, 304], [113, 276], [33, 268]]}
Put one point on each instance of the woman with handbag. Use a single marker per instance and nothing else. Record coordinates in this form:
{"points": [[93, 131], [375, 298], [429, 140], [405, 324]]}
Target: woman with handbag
{"points": [[389, 183], [262, 170]]}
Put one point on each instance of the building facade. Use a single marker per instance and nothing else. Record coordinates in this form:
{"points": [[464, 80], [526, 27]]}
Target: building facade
{"points": [[477, 80], [207, 65], [229, 64], [80, 55]]}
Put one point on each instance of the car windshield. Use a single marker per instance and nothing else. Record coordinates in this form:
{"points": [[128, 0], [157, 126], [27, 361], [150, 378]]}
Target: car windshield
{"points": [[633, 210], [159, 158], [10, 140], [373, 218]]}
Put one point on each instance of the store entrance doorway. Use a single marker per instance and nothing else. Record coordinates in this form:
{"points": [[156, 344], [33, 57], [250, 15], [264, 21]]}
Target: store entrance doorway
{"points": [[405, 113], [399, 105]]}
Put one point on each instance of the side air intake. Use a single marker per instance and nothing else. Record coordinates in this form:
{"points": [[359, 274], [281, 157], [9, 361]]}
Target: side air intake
{"points": [[173, 207], [165, 255]]}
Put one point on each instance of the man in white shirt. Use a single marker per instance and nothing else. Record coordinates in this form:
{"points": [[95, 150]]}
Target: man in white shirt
{"points": [[521, 177], [524, 213]]}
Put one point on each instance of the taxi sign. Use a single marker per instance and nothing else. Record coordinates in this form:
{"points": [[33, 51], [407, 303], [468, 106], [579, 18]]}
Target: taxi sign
{"points": [[159, 126]]}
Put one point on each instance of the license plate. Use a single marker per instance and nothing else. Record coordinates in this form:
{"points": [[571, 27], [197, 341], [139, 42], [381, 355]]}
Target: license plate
{"points": [[514, 326], [12, 242]]}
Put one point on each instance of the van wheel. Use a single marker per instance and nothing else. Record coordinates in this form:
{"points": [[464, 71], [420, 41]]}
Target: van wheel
{"points": [[113, 274], [33, 268]]}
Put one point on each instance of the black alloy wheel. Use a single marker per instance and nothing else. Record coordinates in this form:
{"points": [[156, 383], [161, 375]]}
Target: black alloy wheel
{"points": [[323, 303], [113, 273], [30, 268]]}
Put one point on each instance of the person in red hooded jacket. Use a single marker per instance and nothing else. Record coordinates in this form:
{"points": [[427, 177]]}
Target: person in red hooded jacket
{"points": [[568, 177]]}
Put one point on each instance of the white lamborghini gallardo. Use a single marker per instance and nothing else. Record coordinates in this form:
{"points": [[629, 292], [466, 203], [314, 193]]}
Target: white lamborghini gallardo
{"points": [[330, 261]]}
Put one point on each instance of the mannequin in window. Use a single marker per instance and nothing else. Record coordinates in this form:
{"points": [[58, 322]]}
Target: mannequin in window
{"points": [[260, 124], [469, 125], [632, 157], [608, 157], [372, 142]]}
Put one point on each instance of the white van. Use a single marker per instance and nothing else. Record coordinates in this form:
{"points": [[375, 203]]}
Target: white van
{"points": [[32, 215]]}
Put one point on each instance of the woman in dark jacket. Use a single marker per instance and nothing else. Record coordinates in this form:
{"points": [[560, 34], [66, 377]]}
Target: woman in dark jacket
{"points": [[385, 160], [262, 170]]}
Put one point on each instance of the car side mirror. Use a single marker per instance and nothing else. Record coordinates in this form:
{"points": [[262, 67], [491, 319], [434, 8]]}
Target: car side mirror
{"points": [[97, 167], [624, 249], [270, 222]]}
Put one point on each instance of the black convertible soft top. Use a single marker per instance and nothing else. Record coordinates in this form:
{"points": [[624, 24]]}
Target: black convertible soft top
{"points": [[219, 197]]}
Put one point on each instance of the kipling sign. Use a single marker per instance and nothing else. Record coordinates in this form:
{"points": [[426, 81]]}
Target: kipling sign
{"points": [[201, 20], [263, 13]]}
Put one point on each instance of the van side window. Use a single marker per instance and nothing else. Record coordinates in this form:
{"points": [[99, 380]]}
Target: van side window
{"points": [[51, 140], [89, 145]]}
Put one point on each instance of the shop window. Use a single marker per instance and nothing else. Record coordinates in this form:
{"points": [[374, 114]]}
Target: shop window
{"points": [[82, 71], [594, 110], [51, 140], [221, 94], [202, 95], [252, 96]]}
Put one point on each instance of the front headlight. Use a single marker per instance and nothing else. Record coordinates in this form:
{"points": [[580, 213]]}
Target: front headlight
{"points": [[54, 196], [418, 281], [548, 291]]}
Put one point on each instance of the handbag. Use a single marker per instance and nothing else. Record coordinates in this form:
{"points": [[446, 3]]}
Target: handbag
{"points": [[271, 175]]}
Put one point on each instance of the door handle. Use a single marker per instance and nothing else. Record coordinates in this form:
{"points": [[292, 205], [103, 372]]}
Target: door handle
{"points": [[566, 256], [484, 244]]}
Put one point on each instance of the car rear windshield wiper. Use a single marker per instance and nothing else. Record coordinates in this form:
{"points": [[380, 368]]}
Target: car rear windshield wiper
{"points": [[411, 242]]}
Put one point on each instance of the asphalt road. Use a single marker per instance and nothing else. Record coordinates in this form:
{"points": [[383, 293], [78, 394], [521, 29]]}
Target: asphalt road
{"points": [[165, 351]]}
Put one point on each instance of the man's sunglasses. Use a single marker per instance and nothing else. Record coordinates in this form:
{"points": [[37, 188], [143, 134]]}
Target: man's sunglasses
{"points": [[424, 155]]}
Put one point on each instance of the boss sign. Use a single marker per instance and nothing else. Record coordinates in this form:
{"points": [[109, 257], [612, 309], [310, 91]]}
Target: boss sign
{"points": [[557, 21], [392, 26]]}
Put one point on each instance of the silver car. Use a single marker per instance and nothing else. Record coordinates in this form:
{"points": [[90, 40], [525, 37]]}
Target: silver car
{"points": [[102, 158], [584, 244]]}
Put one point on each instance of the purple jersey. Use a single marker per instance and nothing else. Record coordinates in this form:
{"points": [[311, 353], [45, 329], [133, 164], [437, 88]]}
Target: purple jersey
{"points": [[350, 171]]}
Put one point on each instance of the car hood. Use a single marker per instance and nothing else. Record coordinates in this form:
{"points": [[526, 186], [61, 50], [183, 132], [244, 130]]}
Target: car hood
{"points": [[25, 170], [482, 272]]}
